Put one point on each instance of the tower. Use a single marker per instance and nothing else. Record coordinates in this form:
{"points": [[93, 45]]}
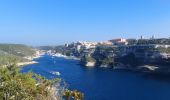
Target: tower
{"points": [[141, 37], [153, 37]]}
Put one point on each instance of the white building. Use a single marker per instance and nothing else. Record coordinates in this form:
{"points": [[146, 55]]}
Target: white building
{"points": [[119, 41]]}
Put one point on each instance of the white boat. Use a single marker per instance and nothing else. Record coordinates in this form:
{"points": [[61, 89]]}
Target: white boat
{"points": [[56, 73], [59, 55]]}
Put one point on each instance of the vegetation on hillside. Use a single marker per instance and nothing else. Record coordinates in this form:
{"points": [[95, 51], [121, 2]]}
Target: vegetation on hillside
{"points": [[47, 47], [164, 41], [17, 51], [5, 58], [19, 86], [15, 85], [104, 55], [73, 95]]}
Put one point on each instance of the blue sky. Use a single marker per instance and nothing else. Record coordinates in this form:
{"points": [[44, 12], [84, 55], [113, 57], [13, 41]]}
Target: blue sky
{"points": [[50, 22]]}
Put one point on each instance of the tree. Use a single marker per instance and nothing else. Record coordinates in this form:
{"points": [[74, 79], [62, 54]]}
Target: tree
{"points": [[28, 86], [73, 95]]}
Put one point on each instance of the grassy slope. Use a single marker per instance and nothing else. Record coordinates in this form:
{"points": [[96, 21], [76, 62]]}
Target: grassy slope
{"points": [[17, 51]]}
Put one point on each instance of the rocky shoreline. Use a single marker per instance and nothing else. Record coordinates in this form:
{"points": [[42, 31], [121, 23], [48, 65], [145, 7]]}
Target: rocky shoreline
{"points": [[154, 69], [113, 57], [30, 59], [26, 63]]}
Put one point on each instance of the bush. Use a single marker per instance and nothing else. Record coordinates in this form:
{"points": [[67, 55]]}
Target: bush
{"points": [[19, 86]]}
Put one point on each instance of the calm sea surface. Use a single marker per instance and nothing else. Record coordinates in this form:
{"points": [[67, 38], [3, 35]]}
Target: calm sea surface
{"points": [[103, 83]]}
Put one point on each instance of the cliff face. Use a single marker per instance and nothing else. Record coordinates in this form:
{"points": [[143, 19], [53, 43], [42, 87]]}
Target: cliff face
{"points": [[88, 61], [102, 56], [124, 57], [147, 59], [90, 64]]}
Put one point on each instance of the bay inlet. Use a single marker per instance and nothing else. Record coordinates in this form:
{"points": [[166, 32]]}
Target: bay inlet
{"points": [[102, 83]]}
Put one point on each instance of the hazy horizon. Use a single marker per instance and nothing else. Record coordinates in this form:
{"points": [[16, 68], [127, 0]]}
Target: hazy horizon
{"points": [[55, 22]]}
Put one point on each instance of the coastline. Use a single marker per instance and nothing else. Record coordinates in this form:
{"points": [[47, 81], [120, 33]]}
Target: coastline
{"points": [[26, 63], [64, 56], [29, 62]]}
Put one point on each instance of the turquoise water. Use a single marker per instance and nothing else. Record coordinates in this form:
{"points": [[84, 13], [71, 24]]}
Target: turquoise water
{"points": [[103, 83]]}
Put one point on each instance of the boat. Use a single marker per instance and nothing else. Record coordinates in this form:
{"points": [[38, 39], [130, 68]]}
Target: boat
{"points": [[56, 73]]}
